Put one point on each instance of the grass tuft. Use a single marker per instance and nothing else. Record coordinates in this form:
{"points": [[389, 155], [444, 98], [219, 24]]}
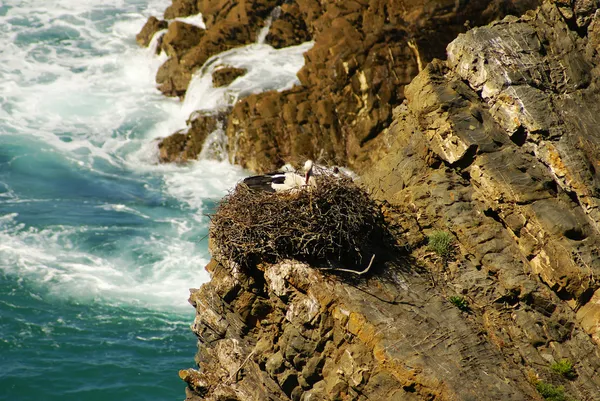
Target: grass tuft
{"points": [[460, 302], [441, 243], [564, 368], [551, 392]]}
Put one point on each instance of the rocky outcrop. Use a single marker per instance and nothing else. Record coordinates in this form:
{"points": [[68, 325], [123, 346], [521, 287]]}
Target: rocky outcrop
{"points": [[364, 55], [186, 145], [289, 27], [365, 52], [228, 25], [180, 38], [151, 26], [497, 147], [225, 75]]}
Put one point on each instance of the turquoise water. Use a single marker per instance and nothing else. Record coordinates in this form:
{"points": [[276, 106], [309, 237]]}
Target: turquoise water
{"points": [[98, 243]]}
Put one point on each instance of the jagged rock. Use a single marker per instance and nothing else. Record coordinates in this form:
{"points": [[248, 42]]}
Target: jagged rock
{"points": [[354, 75], [181, 8], [289, 29], [173, 78], [472, 152], [225, 75], [171, 147], [312, 370], [151, 26], [180, 38], [228, 25], [187, 145]]}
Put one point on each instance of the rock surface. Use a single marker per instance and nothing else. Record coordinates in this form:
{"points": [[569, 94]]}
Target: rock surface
{"points": [[228, 25], [188, 144], [497, 146], [289, 28], [365, 52], [151, 26], [225, 75]]}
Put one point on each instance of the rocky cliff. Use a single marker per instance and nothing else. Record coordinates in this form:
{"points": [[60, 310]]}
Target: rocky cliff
{"points": [[364, 53], [496, 151]]}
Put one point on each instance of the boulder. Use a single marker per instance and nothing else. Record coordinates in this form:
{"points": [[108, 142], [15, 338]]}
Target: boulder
{"points": [[187, 145], [181, 8], [170, 148], [173, 78], [153, 25], [225, 75], [180, 38], [289, 29]]}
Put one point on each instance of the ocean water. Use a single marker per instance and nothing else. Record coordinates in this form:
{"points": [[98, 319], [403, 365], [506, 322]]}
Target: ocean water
{"points": [[99, 244]]}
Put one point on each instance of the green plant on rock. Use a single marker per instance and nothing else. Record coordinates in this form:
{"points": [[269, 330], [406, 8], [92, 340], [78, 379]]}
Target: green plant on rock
{"points": [[551, 392], [441, 243], [564, 368], [460, 302]]}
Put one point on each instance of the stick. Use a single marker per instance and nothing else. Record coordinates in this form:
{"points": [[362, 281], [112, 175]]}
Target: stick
{"points": [[413, 45], [352, 271], [238, 369]]}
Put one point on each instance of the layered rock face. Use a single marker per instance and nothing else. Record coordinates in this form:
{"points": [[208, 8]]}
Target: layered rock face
{"points": [[365, 52], [498, 147], [228, 25]]}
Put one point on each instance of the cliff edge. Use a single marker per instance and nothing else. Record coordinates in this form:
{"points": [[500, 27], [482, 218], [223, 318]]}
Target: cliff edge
{"points": [[495, 149]]}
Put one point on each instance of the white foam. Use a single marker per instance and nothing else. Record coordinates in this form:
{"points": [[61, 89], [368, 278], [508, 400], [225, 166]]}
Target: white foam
{"points": [[267, 69], [49, 257], [90, 86], [123, 209], [201, 181], [75, 84], [196, 20]]}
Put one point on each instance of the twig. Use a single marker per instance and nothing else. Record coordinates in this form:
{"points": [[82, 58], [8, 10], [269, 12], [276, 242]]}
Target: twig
{"points": [[351, 271], [413, 46], [238, 369]]}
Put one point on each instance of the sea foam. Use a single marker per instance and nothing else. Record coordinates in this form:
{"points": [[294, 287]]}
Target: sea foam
{"points": [[86, 211]]}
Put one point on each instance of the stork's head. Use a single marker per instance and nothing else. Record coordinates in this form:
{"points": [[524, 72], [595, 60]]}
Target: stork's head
{"points": [[308, 166]]}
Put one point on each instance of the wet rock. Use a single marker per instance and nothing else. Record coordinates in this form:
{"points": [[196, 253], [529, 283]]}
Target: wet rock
{"points": [[173, 78], [171, 147], [181, 8], [289, 29], [469, 153], [225, 75], [186, 145], [153, 25], [180, 37], [228, 26], [198, 382]]}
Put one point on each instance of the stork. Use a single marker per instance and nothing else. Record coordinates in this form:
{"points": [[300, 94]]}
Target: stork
{"points": [[280, 181]]}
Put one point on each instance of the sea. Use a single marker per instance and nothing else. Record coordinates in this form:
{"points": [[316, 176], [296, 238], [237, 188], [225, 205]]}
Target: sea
{"points": [[99, 243]]}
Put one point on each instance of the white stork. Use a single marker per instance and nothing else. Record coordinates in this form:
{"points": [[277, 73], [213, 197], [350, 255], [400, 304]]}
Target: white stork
{"points": [[283, 180]]}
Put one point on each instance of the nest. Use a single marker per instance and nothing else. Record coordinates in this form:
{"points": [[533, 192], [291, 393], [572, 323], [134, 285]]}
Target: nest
{"points": [[335, 224]]}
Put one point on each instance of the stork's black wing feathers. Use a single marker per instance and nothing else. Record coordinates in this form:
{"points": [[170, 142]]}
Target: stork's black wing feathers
{"points": [[263, 182]]}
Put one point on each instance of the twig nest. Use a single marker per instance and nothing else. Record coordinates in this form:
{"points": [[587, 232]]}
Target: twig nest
{"points": [[334, 224]]}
